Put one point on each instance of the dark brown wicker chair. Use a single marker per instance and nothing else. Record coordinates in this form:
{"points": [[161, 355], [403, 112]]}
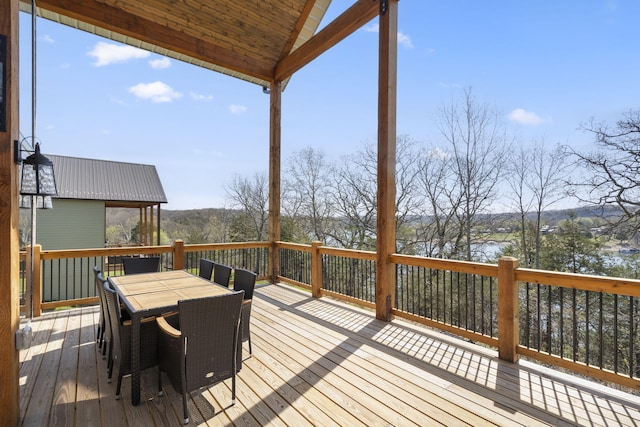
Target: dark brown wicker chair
{"points": [[206, 268], [245, 280], [210, 326], [136, 265], [221, 274], [121, 339], [102, 323]]}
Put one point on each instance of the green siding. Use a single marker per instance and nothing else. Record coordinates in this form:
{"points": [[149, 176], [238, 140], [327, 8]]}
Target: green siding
{"points": [[71, 224]]}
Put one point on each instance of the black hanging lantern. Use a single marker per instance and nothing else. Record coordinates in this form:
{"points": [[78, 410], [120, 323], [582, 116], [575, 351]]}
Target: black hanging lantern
{"points": [[38, 178]]}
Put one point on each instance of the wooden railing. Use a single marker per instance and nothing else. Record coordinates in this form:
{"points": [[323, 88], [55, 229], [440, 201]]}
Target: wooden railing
{"points": [[65, 277], [565, 320]]}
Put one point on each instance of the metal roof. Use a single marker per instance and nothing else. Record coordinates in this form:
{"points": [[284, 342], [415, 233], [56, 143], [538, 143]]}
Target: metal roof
{"points": [[92, 179]]}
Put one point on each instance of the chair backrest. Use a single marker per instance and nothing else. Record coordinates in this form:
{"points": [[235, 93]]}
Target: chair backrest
{"points": [[210, 326], [100, 291], [113, 308], [206, 268], [244, 280], [221, 274], [140, 265]]}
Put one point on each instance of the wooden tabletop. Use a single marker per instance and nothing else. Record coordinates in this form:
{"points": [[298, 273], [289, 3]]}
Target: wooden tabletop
{"points": [[163, 289]]}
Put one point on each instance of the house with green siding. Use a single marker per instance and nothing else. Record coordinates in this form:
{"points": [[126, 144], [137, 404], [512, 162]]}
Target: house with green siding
{"points": [[86, 189]]}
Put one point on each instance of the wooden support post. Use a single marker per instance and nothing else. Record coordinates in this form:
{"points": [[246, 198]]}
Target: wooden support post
{"points": [[37, 281], [28, 296], [316, 269], [275, 112], [508, 310], [140, 227], [386, 224], [9, 246], [150, 226], [178, 255]]}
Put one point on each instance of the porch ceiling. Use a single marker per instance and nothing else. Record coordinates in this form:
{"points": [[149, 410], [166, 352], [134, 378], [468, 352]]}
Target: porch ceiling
{"points": [[251, 40]]}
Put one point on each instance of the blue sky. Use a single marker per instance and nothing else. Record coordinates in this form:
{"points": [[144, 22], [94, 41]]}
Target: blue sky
{"points": [[546, 67]]}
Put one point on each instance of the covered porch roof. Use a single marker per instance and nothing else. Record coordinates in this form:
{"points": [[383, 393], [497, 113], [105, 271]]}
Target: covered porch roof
{"points": [[258, 41], [264, 42]]}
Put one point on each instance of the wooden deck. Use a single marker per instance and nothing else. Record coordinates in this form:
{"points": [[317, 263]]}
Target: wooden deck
{"points": [[315, 362]]}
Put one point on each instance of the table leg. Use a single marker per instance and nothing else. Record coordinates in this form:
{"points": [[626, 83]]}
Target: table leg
{"points": [[135, 360]]}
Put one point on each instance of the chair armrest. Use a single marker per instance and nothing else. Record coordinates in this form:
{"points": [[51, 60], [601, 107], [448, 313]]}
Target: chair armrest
{"points": [[167, 328], [127, 322], [169, 314], [246, 301]]}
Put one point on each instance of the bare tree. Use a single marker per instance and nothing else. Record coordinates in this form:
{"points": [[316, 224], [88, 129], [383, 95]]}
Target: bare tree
{"points": [[251, 195], [439, 232], [478, 145], [536, 178], [355, 196], [612, 172], [408, 198], [306, 193]]}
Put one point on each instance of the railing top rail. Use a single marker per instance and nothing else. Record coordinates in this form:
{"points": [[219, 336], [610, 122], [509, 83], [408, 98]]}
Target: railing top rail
{"points": [[482, 269], [295, 246], [79, 253], [586, 282], [223, 246], [351, 253]]}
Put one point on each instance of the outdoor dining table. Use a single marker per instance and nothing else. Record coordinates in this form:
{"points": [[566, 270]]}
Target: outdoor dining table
{"points": [[152, 294]]}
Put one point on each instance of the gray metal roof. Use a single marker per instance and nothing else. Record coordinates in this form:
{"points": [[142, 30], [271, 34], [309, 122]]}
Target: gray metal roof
{"points": [[91, 179]]}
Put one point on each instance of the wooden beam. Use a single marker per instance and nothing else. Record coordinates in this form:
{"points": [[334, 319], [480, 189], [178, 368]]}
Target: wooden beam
{"points": [[9, 255], [110, 18], [351, 20], [274, 176], [386, 216]]}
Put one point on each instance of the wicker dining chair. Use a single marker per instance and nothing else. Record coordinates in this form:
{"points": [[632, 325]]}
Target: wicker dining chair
{"points": [[137, 265], [210, 326], [206, 268], [102, 322], [245, 280], [120, 351], [221, 274]]}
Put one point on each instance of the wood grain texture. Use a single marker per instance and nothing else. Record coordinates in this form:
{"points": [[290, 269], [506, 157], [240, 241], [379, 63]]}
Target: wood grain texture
{"points": [[9, 257], [322, 362]]}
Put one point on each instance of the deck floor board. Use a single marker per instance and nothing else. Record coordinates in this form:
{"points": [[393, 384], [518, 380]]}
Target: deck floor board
{"points": [[314, 362]]}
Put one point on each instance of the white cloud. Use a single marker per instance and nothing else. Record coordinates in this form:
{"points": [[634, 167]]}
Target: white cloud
{"points": [[47, 39], [107, 53], [438, 153], [403, 39], [201, 97], [524, 117], [156, 92], [373, 28], [237, 109], [160, 63]]}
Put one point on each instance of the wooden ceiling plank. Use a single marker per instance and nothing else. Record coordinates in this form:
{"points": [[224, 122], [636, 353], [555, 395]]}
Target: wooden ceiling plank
{"points": [[352, 19], [128, 24], [232, 24], [205, 23]]}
